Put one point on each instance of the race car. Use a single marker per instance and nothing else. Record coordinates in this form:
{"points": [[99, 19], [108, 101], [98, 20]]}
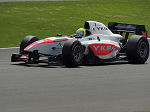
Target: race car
{"points": [[95, 43]]}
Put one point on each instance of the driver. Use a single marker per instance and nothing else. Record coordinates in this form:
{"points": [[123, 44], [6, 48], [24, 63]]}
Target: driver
{"points": [[82, 32]]}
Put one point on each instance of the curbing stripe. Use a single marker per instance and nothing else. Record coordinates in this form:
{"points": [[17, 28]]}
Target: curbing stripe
{"points": [[18, 47]]}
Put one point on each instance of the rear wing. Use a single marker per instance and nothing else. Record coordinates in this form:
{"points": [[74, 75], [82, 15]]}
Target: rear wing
{"points": [[120, 28]]}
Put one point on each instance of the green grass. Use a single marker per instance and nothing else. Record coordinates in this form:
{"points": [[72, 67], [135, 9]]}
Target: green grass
{"points": [[46, 19]]}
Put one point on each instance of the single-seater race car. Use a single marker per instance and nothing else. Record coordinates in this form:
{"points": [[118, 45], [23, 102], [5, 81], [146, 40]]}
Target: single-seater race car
{"points": [[100, 44]]}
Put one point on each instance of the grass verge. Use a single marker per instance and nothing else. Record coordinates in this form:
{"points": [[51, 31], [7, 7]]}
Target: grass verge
{"points": [[46, 19]]}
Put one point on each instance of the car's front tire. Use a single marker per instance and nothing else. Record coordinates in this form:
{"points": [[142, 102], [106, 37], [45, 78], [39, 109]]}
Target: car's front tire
{"points": [[72, 53], [27, 41]]}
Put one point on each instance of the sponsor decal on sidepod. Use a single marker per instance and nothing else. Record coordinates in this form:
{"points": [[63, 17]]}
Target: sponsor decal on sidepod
{"points": [[103, 49]]}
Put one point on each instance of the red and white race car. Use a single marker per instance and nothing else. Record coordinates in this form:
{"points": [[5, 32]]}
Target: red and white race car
{"points": [[100, 45]]}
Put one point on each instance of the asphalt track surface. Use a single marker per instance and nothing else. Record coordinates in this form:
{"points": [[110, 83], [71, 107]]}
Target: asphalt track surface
{"points": [[113, 87]]}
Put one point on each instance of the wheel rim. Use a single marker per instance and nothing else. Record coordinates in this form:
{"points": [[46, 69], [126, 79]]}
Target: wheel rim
{"points": [[77, 53], [143, 50]]}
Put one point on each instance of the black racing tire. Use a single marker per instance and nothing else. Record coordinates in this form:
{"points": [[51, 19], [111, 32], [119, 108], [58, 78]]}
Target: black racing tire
{"points": [[137, 49], [27, 41], [72, 53]]}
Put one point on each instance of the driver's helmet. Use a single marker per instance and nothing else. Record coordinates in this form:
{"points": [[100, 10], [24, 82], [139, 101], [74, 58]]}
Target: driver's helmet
{"points": [[81, 32]]}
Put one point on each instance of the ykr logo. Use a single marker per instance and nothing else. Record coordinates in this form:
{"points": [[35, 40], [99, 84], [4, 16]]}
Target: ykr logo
{"points": [[103, 49]]}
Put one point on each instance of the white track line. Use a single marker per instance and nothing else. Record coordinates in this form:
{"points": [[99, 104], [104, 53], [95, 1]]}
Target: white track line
{"points": [[10, 48]]}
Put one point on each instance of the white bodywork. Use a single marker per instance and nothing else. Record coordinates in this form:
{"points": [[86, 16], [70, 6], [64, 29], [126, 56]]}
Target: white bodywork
{"points": [[102, 35], [52, 47], [105, 44]]}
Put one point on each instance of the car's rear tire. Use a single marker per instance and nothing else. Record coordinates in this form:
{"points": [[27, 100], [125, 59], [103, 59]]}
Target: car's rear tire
{"points": [[27, 41], [72, 53], [137, 49]]}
